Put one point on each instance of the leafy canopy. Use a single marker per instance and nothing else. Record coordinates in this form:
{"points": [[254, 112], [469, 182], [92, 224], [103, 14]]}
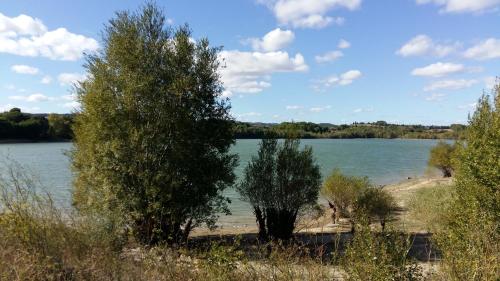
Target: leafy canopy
{"points": [[153, 136]]}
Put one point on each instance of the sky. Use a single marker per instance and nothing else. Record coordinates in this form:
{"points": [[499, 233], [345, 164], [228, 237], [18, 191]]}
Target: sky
{"points": [[332, 61]]}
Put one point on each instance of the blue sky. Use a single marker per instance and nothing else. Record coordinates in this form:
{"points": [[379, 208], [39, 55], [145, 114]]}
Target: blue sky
{"points": [[336, 61]]}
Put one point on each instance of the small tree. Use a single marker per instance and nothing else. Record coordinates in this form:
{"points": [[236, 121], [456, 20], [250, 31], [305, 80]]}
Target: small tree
{"points": [[441, 158], [153, 136], [279, 183], [377, 204], [343, 192]]}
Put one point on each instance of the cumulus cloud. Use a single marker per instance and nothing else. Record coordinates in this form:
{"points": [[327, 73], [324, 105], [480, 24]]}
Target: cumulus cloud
{"points": [[344, 79], [422, 44], [293, 107], [462, 6], [46, 79], [438, 69], [487, 49], [274, 40], [450, 84], [27, 36], [68, 79], [329, 56], [31, 98], [250, 72], [343, 44], [309, 13], [24, 69]]}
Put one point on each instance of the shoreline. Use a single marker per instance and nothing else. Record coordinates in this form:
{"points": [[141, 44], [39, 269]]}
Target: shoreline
{"points": [[401, 190]]}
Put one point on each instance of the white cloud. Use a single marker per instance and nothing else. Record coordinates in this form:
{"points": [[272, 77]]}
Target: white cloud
{"points": [[320, 108], [450, 85], [27, 36], [438, 69], [487, 49], [435, 97], [490, 82], [360, 110], [68, 79], [31, 98], [293, 107], [422, 44], [72, 105], [468, 106], [309, 13], [329, 56], [24, 69], [46, 80], [462, 6], [250, 72], [343, 44], [345, 78], [249, 116], [274, 40]]}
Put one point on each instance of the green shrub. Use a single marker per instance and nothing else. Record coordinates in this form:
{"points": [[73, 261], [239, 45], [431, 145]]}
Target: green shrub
{"points": [[379, 256], [470, 238], [343, 192], [280, 183], [378, 204], [441, 157]]}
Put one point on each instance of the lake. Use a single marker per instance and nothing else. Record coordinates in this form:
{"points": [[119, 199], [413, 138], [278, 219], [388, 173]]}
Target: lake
{"points": [[382, 160]]}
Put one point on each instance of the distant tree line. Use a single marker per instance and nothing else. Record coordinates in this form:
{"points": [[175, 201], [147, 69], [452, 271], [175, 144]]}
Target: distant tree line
{"points": [[379, 129], [17, 125]]}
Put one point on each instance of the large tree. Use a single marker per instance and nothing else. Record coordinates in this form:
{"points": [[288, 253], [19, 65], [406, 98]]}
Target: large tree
{"points": [[153, 135], [279, 183]]}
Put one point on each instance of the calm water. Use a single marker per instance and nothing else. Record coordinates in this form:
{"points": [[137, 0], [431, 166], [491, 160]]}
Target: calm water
{"points": [[383, 161]]}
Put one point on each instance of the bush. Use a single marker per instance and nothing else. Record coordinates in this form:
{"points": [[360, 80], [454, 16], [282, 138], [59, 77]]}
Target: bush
{"points": [[377, 204], [343, 192], [470, 238], [279, 183], [441, 157], [379, 257]]}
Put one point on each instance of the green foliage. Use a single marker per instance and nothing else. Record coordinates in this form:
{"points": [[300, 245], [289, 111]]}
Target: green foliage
{"points": [[379, 129], [60, 126], [373, 256], [344, 191], [470, 239], [279, 182], [377, 204], [441, 157], [17, 125], [152, 139]]}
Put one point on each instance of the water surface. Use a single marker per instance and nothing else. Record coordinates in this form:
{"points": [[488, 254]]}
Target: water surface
{"points": [[382, 160]]}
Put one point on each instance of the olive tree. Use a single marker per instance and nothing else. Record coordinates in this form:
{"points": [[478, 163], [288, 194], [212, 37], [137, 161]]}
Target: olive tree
{"points": [[279, 183], [153, 134], [343, 191]]}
